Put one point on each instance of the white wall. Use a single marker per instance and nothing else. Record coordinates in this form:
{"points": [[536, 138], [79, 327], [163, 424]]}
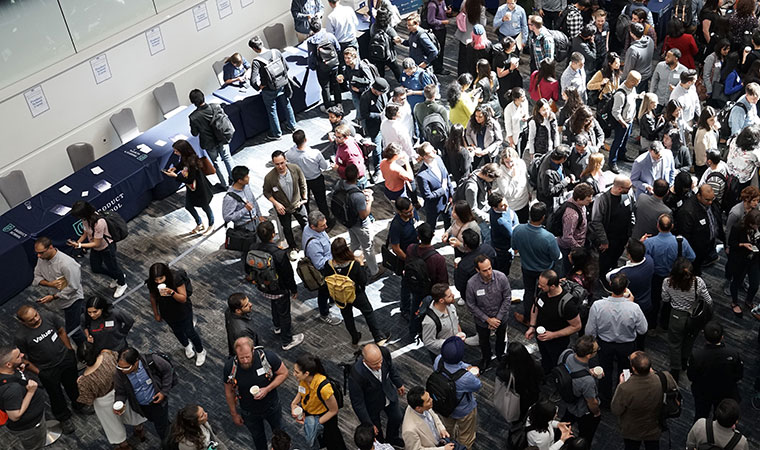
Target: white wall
{"points": [[80, 108]]}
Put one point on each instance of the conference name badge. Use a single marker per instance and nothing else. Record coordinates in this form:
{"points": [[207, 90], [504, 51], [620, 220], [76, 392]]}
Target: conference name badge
{"points": [[540, 303], [109, 323], [301, 390], [702, 222], [480, 292], [261, 372]]}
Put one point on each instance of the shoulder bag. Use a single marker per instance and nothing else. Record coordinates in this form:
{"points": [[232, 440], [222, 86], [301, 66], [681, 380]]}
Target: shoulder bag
{"points": [[506, 400], [236, 238], [700, 314]]}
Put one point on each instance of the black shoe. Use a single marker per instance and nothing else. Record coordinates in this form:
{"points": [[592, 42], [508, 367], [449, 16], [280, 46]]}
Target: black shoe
{"points": [[84, 410], [289, 130], [614, 169], [397, 442], [626, 158], [67, 426], [273, 138], [484, 365], [442, 72], [355, 339]]}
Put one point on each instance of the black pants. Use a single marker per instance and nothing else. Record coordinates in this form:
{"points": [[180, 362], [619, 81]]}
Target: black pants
{"points": [[395, 417], [332, 438], [316, 187], [185, 332], [530, 279], [105, 262], [158, 415], [522, 214], [440, 34], [287, 227], [362, 304], [392, 64], [608, 259], [654, 313], [503, 262], [72, 316], [550, 351], [550, 19], [587, 425], [484, 337], [609, 354], [59, 378], [281, 318], [330, 86], [636, 445], [255, 424]]}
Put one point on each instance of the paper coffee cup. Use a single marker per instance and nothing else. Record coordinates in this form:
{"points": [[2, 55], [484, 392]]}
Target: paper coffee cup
{"points": [[598, 371], [118, 406], [461, 335], [474, 370], [298, 412], [255, 390], [540, 330], [456, 261]]}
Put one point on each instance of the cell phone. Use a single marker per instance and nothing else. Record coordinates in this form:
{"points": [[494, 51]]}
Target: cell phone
{"points": [[626, 374]]}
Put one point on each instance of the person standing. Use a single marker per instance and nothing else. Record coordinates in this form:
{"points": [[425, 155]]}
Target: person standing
{"points": [[637, 403], [666, 76], [422, 428], [238, 320], [105, 327], [372, 110], [198, 189], [612, 222], [624, 113], [550, 11], [435, 330], [720, 432], [574, 222], [239, 205], [401, 234], [285, 188], [656, 164], [191, 430], [434, 184], [356, 74], [639, 56], [542, 43], [358, 231], [103, 252], [325, 58], [46, 346], [61, 272], [303, 11], [502, 220], [342, 23], [437, 12], [269, 74], [375, 386], [312, 163], [649, 208], [254, 366], [21, 400], [699, 221], [422, 50], [585, 410], [201, 125], [511, 21], [489, 297], [319, 253]]}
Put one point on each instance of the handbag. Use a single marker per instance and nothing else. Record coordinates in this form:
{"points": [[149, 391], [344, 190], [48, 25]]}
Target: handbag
{"points": [[462, 21], [391, 261], [700, 314], [718, 93], [552, 105], [239, 239], [311, 277], [506, 400], [206, 167]]}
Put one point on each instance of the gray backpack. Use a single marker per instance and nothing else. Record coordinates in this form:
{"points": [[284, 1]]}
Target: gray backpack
{"points": [[262, 271]]}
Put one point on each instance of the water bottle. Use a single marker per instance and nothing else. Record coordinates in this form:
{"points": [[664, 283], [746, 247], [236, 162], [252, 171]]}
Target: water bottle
{"points": [[28, 204]]}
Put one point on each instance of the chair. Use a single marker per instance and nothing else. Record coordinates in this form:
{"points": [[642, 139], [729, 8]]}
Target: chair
{"points": [[4, 206], [14, 188], [219, 70], [80, 154], [168, 102], [125, 125], [275, 35]]}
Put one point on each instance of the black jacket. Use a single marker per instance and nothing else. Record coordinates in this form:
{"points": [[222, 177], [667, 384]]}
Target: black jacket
{"points": [[714, 372], [161, 373], [237, 327], [692, 223], [372, 107], [282, 265], [368, 394], [466, 267]]}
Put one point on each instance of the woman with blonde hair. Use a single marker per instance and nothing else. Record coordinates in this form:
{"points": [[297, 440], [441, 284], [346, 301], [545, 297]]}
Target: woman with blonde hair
{"points": [[513, 183], [705, 139], [648, 120], [594, 175]]}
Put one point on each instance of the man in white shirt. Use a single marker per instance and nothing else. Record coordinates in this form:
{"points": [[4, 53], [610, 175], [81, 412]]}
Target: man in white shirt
{"points": [[574, 76], [686, 95], [342, 23], [393, 130]]}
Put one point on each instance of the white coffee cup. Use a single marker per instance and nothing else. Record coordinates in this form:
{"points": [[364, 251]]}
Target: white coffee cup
{"points": [[359, 255], [598, 371], [456, 261], [474, 370], [540, 330], [118, 406], [255, 390], [461, 335], [298, 412], [748, 49]]}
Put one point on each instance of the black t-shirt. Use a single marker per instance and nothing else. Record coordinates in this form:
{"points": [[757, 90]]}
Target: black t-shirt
{"points": [[109, 332], [171, 310], [12, 393], [402, 233], [549, 315], [257, 375], [42, 345], [620, 217]]}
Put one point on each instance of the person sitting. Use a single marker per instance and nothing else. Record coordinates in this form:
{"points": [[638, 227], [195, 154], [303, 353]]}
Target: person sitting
{"points": [[234, 70]]}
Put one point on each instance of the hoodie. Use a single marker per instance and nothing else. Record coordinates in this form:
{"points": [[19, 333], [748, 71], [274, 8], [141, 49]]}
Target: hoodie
{"points": [[639, 57]]}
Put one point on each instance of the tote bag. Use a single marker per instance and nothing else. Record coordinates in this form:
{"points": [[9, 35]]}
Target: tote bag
{"points": [[506, 400]]}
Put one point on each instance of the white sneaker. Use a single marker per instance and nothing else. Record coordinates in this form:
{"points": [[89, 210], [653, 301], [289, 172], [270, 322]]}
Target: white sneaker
{"points": [[113, 284], [189, 352], [201, 358], [297, 339], [120, 290]]}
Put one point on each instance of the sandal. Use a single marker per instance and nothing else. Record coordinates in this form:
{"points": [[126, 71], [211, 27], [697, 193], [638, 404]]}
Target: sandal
{"points": [[736, 309], [197, 229]]}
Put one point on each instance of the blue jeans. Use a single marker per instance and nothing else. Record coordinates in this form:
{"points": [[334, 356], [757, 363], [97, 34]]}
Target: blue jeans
{"points": [[207, 209], [104, 262], [619, 144], [186, 333], [355, 96], [255, 424], [271, 99], [485, 233], [222, 151]]}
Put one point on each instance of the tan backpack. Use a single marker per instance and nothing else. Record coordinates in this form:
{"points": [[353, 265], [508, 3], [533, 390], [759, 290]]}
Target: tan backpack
{"points": [[341, 288]]}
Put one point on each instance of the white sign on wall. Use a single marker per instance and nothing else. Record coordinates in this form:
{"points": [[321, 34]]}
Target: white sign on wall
{"points": [[224, 7], [155, 40], [200, 14], [244, 3], [35, 99], [100, 68]]}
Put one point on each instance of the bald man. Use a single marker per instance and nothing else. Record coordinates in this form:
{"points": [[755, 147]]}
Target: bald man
{"points": [[699, 221], [375, 386], [612, 223]]}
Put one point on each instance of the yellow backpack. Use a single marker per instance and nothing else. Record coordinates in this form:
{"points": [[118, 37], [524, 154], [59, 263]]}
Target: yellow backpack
{"points": [[341, 288]]}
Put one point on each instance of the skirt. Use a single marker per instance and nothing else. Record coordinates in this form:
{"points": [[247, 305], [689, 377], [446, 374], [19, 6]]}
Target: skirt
{"points": [[112, 424]]}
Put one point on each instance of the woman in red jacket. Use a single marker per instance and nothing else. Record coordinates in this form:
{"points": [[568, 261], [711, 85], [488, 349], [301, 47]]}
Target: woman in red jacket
{"points": [[685, 42]]}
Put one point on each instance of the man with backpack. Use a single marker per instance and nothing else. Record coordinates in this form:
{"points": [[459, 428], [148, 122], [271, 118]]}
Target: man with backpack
{"points": [[251, 367], [424, 267], [144, 382], [570, 220], [453, 385], [273, 275], [269, 73], [352, 209], [21, 400], [721, 433], [542, 43], [622, 113], [434, 129], [374, 387], [205, 123], [744, 112], [436, 17], [325, 58], [401, 235], [441, 320], [358, 75], [638, 402], [239, 206], [582, 406], [556, 314], [489, 298], [422, 49]]}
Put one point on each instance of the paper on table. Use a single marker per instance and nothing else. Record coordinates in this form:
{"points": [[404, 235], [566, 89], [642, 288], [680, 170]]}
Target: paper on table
{"points": [[65, 189], [102, 185], [144, 148], [239, 97], [60, 210], [160, 143], [178, 137], [96, 170], [85, 193]]}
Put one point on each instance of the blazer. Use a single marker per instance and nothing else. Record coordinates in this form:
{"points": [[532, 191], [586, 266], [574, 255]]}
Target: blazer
{"points": [[692, 222], [431, 189], [416, 433], [273, 189], [642, 173], [368, 394], [492, 140]]}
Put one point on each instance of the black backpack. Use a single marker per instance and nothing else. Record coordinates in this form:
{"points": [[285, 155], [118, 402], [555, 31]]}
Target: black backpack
{"points": [[441, 385], [682, 11], [327, 54], [221, 125], [559, 382], [623, 24], [555, 220], [723, 118], [423, 14], [379, 46], [671, 401], [117, 226], [337, 392], [435, 130], [533, 168], [416, 273], [151, 362], [561, 24], [342, 208], [561, 45], [274, 72], [711, 445], [604, 111]]}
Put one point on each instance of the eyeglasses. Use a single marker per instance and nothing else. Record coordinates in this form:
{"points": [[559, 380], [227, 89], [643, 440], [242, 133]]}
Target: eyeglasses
{"points": [[123, 369]]}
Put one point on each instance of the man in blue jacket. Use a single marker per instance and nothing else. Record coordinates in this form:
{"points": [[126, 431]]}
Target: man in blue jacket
{"points": [[421, 48]]}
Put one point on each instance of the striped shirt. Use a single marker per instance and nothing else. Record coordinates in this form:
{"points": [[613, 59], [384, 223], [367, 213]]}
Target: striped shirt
{"points": [[684, 300]]}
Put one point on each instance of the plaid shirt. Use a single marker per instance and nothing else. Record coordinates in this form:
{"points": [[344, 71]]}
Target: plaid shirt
{"points": [[543, 45], [574, 21]]}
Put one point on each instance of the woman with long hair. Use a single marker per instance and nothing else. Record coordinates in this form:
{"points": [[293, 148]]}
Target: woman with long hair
{"points": [[583, 123], [606, 80], [198, 194], [457, 157], [744, 260], [483, 136], [540, 425], [475, 14], [96, 388], [396, 172], [706, 138], [513, 183], [713, 64], [488, 83], [594, 175], [584, 269], [648, 120], [573, 101], [516, 116], [674, 134], [105, 327], [461, 102], [462, 219], [680, 191], [681, 291], [678, 38], [544, 83], [543, 134], [318, 406], [170, 292], [478, 48], [506, 63], [527, 374], [344, 262], [103, 252], [742, 23], [191, 430]]}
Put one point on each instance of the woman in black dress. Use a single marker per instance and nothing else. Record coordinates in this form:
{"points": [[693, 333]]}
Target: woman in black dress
{"points": [[199, 193]]}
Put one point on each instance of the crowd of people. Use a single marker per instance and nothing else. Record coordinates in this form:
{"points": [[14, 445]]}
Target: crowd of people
{"points": [[509, 158]]}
